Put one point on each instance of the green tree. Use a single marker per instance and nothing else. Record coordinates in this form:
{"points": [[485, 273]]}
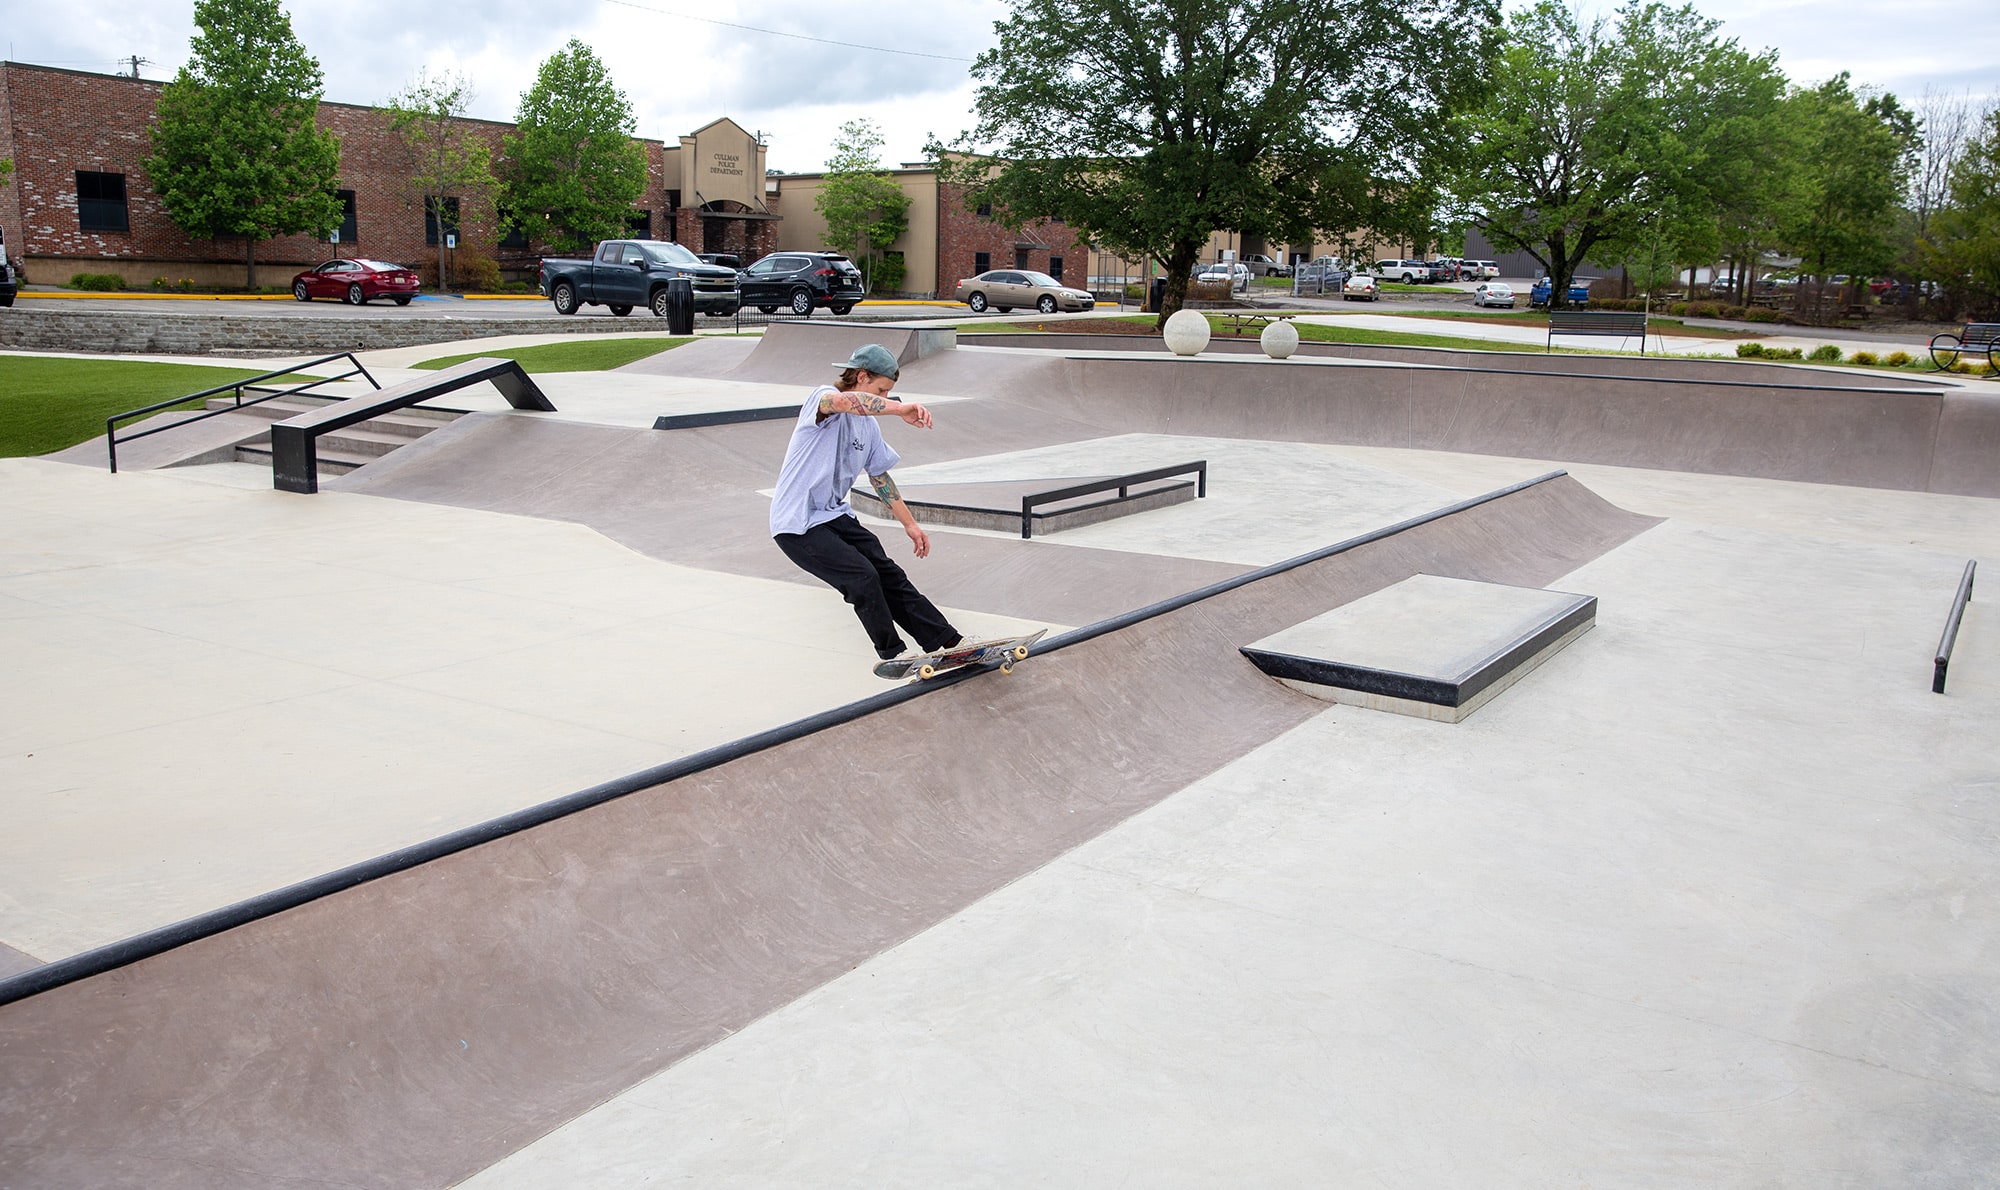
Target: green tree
{"points": [[1146, 125], [447, 159], [571, 170], [1596, 140], [1965, 247], [1858, 153], [863, 207], [236, 151]]}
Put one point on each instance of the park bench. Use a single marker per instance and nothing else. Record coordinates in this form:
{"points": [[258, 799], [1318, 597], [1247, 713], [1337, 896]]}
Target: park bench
{"points": [[1620, 324], [1977, 339]]}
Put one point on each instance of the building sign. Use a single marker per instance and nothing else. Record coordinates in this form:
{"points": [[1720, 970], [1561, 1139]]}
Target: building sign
{"points": [[721, 163]]}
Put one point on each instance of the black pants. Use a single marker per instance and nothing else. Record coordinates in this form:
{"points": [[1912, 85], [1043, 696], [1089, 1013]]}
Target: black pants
{"points": [[848, 558]]}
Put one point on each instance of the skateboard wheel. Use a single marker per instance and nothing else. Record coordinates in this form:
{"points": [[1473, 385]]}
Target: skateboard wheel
{"points": [[1006, 667], [1020, 652], [927, 671]]}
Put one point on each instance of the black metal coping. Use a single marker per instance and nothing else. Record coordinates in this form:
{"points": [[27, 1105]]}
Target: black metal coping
{"points": [[1435, 691], [1950, 638], [127, 951], [722, 417]]}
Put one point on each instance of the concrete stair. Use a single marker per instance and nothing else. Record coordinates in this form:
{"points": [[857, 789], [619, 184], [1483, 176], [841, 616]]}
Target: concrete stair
{"points": [[343, 450]]}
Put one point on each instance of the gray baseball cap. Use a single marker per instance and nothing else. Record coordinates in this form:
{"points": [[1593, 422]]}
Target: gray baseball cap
{"points": [[872, 357]]}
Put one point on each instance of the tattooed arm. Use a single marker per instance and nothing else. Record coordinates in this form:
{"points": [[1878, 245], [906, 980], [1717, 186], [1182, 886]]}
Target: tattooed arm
{"points": [[870, 405], [892, 499]]}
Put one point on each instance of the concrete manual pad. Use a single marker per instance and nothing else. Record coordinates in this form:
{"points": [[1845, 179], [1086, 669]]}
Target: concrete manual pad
{"points": [[1437, 648]]}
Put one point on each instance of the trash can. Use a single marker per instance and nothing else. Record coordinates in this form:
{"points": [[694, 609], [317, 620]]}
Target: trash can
{"points": [[1156, 296], [680, 306]]}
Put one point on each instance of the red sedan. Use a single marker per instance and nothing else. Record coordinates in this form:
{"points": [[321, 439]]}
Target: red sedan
{"points": [[356, 281]]}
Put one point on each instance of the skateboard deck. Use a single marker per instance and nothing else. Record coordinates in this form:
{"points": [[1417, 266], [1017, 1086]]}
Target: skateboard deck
{"points": [[1004, 649]]}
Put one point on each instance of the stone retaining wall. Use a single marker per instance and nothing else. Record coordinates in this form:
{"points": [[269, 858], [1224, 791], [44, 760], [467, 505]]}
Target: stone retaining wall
{"points": [[246, 334]]}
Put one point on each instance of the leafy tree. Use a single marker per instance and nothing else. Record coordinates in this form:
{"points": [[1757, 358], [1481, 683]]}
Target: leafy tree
{"points": [[1856, 167], [447, 159], [6, 170], [1596, 139], [236, 151], [1145, 125], [863, 207], [1966, 246], [570, 171]]}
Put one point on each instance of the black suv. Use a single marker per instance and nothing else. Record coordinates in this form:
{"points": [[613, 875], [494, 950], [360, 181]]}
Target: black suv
{"points": [[800, 281]]}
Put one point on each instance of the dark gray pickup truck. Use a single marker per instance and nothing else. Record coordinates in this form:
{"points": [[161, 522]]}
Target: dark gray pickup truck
{"points": [[628, 274]]}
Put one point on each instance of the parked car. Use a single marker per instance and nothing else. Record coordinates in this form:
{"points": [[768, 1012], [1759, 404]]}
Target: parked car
{"points": [[1409, 272], [728, 260], [1004, 289], [1493, 293], [10, 282], [1261, 265], [1236, 273], [1360, 285], [802, 282], [1480, 270], [357, 282], [627, 274], [1579, 291]]}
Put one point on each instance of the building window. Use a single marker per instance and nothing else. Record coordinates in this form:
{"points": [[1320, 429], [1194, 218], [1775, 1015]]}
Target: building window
{"points": [[1055, 267], [100, 202], [985, 210], [513, 237], [982, 262], [1020, 258], [431, 218], [639, 225], [348, 233]]}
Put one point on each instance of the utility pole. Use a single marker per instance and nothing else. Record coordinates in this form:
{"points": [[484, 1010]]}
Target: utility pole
{"points": [[137, 62]]}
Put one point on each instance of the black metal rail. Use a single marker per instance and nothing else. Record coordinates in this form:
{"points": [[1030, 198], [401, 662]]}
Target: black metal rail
{"points": [[1123, 483], [111, 438], [1951, 622]]}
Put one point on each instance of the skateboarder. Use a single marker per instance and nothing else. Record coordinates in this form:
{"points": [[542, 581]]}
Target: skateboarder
{"points": [[834, 441]]}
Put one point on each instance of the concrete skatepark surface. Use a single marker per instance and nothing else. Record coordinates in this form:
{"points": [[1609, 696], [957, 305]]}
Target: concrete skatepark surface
{"points": [[1707, 898]]}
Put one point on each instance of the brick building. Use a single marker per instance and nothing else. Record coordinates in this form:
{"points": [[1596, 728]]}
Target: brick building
{"points": [[80, 200]]}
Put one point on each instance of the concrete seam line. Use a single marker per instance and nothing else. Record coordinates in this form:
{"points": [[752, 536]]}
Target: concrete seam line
{"points": [[125, 952]]}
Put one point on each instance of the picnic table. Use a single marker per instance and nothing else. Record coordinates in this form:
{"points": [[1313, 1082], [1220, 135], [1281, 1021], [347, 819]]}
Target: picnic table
{"points": [[1257, 322]]}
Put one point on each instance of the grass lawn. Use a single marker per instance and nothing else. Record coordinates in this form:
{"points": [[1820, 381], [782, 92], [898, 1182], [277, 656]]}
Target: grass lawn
{"points": [[1310, 332], [589, 355], [47, 404], [1540, 318]]}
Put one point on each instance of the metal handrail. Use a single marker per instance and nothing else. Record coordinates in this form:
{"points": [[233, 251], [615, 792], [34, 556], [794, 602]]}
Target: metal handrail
{"points": [[1951, 622], [111, 439], [1198, 468]]}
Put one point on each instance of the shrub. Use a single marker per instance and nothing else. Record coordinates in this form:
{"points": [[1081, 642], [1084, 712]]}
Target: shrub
{"points": [[1704, 310], [1825, 353], [1735, 312], [1897, 359], [159, 283], [1784, 353], [1760, 314], [1678, 309], [1749, 351], [101, 282], [1865, 358]]}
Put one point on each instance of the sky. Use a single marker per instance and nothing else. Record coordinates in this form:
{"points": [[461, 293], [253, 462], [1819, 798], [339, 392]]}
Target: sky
{"points": [[796, 70]]}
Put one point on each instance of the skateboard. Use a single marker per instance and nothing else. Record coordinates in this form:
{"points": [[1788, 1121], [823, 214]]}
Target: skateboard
{"points": [[1005, 649]]}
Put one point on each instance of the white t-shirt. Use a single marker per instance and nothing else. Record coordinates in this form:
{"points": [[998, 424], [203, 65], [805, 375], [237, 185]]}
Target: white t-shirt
{"points": [[822, 463]]}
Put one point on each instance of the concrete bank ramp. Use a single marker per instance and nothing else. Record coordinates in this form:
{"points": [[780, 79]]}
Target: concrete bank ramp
{"points": [[413, 1029], [807, 352]]}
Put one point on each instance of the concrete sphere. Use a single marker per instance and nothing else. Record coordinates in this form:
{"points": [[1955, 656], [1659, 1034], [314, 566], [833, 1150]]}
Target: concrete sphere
{"points": [[1279, 340], [1186, 333]]}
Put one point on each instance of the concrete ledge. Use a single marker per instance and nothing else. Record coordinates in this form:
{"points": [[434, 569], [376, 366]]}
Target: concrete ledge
{"points": [[1436, 648], [204, 332]]}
